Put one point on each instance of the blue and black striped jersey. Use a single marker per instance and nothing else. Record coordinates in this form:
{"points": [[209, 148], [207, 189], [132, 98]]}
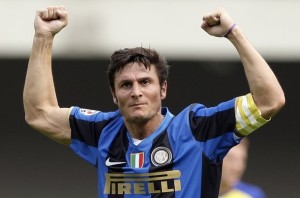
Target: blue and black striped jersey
{"points": [[182, 158]]}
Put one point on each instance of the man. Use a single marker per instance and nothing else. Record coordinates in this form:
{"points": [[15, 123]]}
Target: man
{"points": [[142, 150], [234, 166]]}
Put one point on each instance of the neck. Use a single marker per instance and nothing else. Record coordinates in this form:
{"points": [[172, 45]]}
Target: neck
{"points": [[141, 130]]}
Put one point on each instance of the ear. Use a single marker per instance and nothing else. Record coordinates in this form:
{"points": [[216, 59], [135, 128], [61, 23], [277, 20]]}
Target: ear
{"points": [[115, 100], [114, 97], [163, 90]]}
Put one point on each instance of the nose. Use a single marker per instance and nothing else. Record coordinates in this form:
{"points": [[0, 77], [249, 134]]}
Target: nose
{"points": [[136, 91]]}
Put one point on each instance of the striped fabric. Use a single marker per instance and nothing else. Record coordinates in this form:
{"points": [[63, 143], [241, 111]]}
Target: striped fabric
{"points": [[248, 116], [181, 158]]}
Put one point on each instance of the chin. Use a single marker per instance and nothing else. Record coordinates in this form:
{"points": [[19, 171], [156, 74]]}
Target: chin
{"points": [[136, 118], [139, 119]]}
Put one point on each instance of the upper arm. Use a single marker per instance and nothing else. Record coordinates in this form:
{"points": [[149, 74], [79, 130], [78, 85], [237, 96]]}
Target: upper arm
{"points": [[248, 115], [53, 123]]}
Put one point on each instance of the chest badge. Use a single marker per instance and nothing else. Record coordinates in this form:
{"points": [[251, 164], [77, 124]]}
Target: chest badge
{"points": [[137, 160], [161, 156]]}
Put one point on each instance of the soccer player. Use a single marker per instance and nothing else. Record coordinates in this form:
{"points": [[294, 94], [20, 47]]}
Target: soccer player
{"points": [[142, 149], [234, 166]]}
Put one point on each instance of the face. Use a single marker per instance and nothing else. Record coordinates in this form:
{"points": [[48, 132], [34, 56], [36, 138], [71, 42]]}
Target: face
{"points": [[138, 93], [234, 165]]}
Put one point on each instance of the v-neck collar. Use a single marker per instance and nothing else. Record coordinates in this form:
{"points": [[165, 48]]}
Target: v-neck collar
{"points": [[168, 116]]}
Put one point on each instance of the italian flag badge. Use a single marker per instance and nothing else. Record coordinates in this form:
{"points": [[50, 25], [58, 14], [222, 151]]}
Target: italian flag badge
{"points": [[137, 160]]}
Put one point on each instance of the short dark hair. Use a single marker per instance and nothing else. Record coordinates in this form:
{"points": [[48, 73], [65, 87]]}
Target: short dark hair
{"points": [[144, 56]]}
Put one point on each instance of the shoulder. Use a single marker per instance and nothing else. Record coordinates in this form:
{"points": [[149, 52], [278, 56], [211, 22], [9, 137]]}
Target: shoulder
{"points": [[251, 189], [202, 109], [92, 115]]}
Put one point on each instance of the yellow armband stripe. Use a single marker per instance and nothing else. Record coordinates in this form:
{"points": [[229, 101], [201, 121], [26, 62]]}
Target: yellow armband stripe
{"points": [[248, 116]]}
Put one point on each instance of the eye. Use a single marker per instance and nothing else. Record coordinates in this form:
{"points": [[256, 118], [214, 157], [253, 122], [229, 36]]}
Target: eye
{"points": [[146, 82], [126, 85]]}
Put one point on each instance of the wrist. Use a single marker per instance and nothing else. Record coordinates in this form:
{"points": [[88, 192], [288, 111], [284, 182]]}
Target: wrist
{"points": [[42, 41], [43, 35], [235, 34], [229, 31]]}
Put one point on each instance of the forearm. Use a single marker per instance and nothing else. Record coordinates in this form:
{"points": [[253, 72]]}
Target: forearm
{"points": [[39, 89], [264, 86]]}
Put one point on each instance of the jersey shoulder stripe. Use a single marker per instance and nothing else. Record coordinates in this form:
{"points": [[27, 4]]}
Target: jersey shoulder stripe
{"points": [[91, 123], [213, 122]]}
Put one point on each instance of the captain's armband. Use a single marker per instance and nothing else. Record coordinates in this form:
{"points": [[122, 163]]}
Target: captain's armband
{"points": [[248, 116]]}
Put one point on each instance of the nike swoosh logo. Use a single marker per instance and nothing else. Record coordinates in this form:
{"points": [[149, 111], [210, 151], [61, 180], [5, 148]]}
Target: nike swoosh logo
{"points": [[109, 163]]}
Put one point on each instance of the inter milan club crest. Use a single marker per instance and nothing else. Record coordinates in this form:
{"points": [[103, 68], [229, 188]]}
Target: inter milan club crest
{"points": [[161, 156], [137, 160]]}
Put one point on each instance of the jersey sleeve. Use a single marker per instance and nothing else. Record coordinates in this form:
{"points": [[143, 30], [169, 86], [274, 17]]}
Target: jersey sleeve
{"points": [[221, 127], [85, 132], [213, 128]]}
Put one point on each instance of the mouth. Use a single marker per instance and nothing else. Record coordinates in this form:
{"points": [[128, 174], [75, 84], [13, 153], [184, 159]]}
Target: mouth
{"points": [[137, 105]]}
